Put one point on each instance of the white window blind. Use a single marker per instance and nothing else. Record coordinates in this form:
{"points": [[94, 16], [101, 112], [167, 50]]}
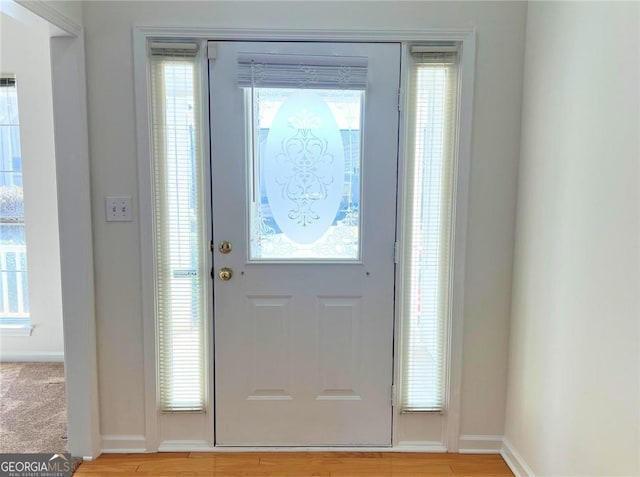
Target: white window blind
{"points": [[178, 213], [427, 227], [302, 71]]}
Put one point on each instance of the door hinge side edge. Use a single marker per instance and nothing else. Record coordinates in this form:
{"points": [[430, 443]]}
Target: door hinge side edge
{"points": [[393, 395]]}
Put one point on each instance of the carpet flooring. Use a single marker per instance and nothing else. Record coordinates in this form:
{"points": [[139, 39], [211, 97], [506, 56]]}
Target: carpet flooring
{"points": [[33, 410]]}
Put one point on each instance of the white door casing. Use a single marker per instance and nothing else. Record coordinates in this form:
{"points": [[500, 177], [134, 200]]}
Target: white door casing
{"points": [[304, 350], [195, 432]]}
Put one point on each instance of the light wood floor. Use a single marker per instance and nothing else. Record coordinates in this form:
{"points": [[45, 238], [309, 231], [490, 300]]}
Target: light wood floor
{"points": [[294, 464]]}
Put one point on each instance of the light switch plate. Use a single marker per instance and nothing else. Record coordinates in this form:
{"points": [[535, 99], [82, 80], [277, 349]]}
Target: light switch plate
{"points": [[118, 208]]}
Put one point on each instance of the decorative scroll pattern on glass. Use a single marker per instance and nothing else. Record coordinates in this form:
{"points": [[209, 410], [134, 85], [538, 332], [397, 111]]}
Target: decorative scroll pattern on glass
{"points": [[304, 167], [306, 174]]}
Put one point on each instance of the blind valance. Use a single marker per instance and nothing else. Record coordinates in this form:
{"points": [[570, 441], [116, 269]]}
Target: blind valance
{"points": [[302, 71], [8, 81], [443, 53], [173, 49]]}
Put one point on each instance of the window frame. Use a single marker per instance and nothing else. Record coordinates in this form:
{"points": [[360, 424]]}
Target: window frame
{"points": [[164, 182], [449, 55], [18, 325], [253, 161], [466, 45]]}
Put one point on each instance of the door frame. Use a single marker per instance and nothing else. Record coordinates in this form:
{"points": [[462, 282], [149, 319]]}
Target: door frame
{"points": [[68, 84], [162, 430]]}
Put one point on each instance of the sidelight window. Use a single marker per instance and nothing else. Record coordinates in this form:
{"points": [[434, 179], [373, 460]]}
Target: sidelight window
{"points": [[428, 227], [178, 225]]}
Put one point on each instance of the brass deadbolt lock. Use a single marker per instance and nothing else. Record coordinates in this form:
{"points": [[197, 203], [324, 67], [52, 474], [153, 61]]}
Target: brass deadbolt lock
{"points": [[224, 247]]}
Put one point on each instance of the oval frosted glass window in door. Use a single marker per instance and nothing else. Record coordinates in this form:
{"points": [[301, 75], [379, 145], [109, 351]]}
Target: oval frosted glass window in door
{"points": [[306, 174], [303, 167]]}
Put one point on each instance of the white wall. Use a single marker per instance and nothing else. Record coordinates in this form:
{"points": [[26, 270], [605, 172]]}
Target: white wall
{"points": [[24, 50], [500, 27], [574, 369]]}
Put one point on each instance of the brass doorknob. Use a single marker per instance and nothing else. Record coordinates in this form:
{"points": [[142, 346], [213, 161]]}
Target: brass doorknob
{"points": [[225, 274], [224, 247]]}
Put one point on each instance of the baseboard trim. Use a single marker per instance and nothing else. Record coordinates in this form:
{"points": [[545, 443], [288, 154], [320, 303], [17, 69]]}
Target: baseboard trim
{"points": [[32, 357], [204, 446], [515, 461], [479, 444], [123, 444], [419, 446], [185, 446]]}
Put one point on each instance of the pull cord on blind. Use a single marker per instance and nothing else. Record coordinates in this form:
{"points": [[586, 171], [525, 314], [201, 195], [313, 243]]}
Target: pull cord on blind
{"points": [[428, 226], [178, 228], [302, 71]]}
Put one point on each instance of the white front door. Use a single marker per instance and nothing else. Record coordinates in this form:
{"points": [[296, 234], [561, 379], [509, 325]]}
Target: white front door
{"points": [[304, 157]]}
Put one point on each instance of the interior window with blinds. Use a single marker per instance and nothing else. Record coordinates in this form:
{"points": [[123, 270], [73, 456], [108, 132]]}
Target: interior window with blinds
{"points": [[178, 212], [427, 227], [14, 294]]}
